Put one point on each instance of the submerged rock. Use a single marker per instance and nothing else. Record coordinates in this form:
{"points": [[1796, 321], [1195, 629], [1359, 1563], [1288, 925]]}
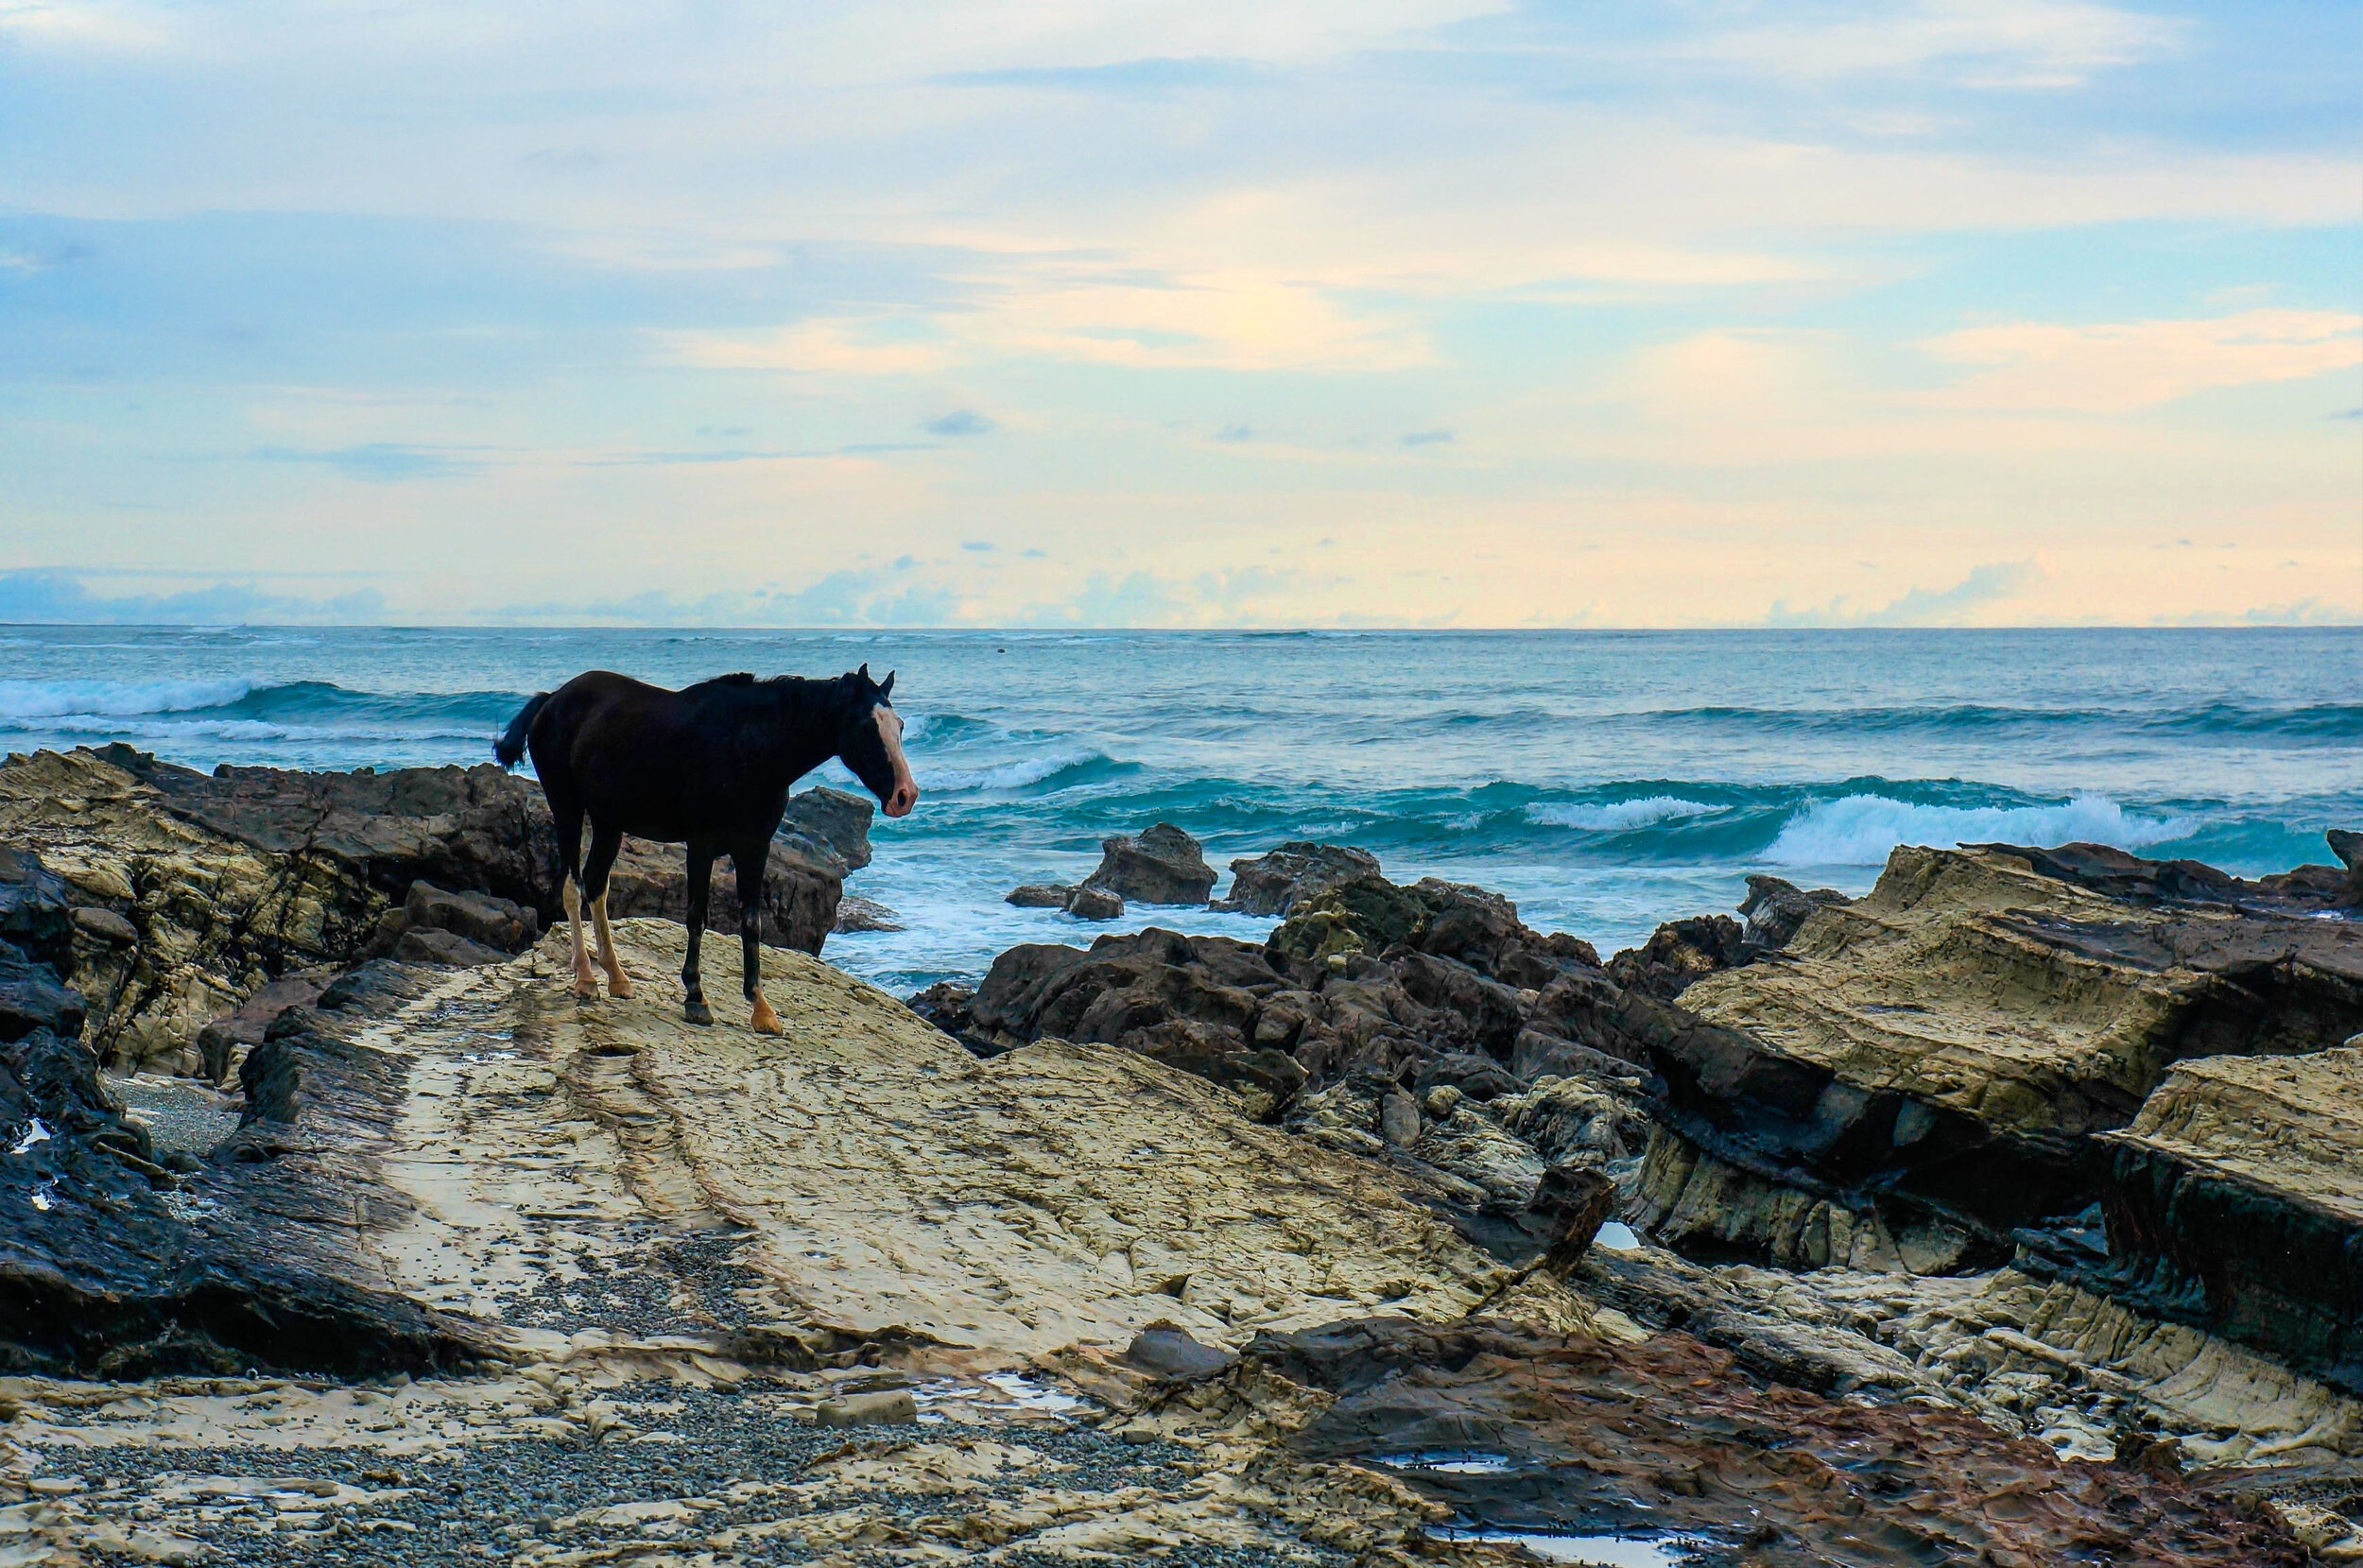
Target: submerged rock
{"points": [[855, 913], [1085, 903], [1163, 865]]}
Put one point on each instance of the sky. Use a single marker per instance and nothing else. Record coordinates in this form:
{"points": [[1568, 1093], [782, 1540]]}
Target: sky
{"points": [[1215, 313]]}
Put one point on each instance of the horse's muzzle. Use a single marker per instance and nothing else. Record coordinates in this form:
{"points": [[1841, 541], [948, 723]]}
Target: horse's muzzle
{"points": [[900, 802]]}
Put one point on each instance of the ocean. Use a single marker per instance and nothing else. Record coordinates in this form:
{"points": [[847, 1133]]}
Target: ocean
{"points": [[1606, 781]]}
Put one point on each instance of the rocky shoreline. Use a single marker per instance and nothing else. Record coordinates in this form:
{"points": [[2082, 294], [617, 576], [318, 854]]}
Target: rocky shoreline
{"points": [[2008, 1212]]}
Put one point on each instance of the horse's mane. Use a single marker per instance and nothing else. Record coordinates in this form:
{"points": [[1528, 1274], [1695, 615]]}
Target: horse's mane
{"points": [[740, 678]]}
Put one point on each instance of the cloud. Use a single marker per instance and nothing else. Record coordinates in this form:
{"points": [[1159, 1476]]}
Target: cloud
{"points": [[382, 463], [981, 546], [1235, 433], [1990, 43], [61, 598], [2117, 367], [855, 346], [1993, 583], [68, 25], [1427, 438], [963, 422]]}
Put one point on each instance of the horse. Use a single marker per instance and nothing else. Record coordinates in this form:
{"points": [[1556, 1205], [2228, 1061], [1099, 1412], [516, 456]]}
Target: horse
{"points": [[709, 767]]}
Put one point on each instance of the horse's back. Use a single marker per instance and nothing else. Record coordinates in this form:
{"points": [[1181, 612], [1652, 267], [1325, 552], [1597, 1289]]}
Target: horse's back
{"points": [[632, 754]]}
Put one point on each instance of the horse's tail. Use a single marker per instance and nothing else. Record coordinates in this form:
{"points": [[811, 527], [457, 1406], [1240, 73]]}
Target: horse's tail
{"points": [[510, 748]]}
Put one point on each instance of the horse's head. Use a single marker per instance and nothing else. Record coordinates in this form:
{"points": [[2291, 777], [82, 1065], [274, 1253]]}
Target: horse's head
{"points": [[871, 742]]}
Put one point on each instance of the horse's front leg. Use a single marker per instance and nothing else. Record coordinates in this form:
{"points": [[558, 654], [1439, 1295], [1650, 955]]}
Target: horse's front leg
{"points": [[700, 878], [750, 864]]}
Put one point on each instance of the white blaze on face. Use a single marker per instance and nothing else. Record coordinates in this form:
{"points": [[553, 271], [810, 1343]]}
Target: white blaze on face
{"points": [[905, 793]]}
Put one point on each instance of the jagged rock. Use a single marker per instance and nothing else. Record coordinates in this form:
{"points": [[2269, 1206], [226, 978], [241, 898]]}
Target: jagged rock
{"points": [[1567, 1121], [1955, 1039], [222, 1043], [1163, 865], [1471, 1075], [1398, 1120], [1275, 883], [103, 1277], [425, 944], [1475, 1149], [854, 913], [1041, 895], [831, 823], [1679, 953], [948, 1005], [494, 923], [800, 892], [2235, 1201], [2348, 847], [34, 913], [31, 998], [106, 926], [233, 879], [1774, 909]]}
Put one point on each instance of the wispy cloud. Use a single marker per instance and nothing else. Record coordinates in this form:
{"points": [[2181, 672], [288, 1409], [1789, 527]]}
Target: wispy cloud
{"points": [[380, 462], [62, 598], [2118, 367]]}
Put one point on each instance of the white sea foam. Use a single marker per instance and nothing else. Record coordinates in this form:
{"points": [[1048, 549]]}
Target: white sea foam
{"points": [[50, 699], [1859, 830], [1617, 816], [1007, 775]]}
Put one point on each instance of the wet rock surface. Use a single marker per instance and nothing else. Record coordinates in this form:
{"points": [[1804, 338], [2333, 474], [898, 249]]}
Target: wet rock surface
{"points": [[1592, 1436]]}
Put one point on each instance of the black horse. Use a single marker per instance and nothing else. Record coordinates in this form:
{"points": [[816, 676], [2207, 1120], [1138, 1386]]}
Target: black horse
{"points": [[708, 765]]}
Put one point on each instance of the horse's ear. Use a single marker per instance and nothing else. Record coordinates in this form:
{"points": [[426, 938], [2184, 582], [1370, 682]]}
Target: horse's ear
{"points": [[887, 690], [865, 672]]}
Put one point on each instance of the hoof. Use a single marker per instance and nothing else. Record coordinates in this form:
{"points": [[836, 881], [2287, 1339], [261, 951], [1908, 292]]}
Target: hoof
{"points": [[586, 988], [697, 1012], [766, 1022], [619, 986]]}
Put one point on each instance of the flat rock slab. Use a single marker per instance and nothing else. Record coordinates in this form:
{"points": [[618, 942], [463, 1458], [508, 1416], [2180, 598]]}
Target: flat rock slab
{"points": [[880, 1179]]}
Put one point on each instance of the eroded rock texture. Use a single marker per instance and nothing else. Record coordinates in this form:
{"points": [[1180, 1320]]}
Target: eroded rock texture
{"points": [[2235, 1201], [170, 897], [1939, 1056], [597, 1195]]}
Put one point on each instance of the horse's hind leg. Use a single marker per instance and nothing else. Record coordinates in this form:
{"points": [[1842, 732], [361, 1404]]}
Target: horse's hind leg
{"points": [[605, 843], [749, 863], [566, 817], [700, 883]]}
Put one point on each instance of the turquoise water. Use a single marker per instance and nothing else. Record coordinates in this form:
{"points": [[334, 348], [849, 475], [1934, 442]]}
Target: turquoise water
{"points": [[1605, 780]]}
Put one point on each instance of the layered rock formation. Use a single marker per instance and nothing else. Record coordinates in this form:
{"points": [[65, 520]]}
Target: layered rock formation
{"points": [[1939, 1054], [169, 897], [2234, 1201], [618, 1222]]}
